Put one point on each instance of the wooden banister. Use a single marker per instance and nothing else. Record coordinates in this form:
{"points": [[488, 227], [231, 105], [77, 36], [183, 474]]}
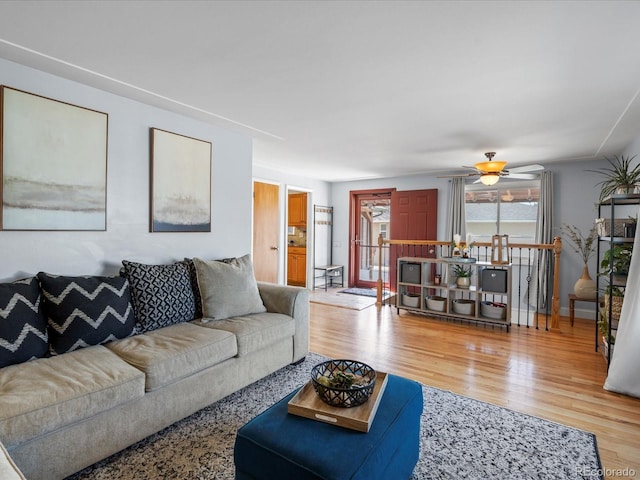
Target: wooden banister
{"points": [[555, 300]]}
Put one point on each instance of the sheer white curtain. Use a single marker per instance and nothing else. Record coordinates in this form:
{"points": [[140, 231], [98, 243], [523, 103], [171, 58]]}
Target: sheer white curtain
{"points": [[457, 214], [624, 374]]}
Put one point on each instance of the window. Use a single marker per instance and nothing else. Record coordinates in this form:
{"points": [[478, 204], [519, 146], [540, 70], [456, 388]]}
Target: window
{"points": [[509, 208]]}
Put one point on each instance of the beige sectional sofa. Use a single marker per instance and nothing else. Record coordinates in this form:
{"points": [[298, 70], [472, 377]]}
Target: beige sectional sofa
{"points": [[61, 413]]}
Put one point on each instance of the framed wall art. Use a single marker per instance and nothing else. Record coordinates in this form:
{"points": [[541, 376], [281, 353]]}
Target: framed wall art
{"points": [[180, 183], [54, 164]]}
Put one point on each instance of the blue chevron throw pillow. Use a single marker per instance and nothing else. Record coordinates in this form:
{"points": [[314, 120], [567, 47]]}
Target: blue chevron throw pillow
{"points": [[23, 327], [85, 311]]}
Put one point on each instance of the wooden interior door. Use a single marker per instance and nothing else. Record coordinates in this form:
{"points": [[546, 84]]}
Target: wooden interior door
{"points": [[414, 216], [266, 228]]}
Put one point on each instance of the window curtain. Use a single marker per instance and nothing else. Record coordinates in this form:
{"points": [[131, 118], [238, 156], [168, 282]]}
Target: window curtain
{"points": [[624, 374], [536, 294], [457, 214]]}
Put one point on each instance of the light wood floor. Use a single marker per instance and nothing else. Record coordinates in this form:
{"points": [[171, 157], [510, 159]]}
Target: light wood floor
{"points": [[556, 376]]}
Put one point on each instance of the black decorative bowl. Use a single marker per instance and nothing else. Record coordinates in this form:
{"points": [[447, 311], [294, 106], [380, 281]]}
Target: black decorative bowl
{"points": [[331, 382]]}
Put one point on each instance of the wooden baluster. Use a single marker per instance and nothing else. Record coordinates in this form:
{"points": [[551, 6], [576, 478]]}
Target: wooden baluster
{"points": [[555, 301], [379, 283]]}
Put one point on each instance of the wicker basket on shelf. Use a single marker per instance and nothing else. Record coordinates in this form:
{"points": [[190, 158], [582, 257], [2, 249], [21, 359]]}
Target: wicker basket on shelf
{"points": [[616, 305]]}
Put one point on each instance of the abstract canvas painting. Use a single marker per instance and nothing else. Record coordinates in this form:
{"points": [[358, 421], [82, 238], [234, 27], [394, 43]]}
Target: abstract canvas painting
{"points": [[180, 183], [54, 164]]}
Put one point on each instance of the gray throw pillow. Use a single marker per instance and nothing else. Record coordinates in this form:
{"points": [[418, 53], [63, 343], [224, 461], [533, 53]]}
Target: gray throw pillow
{"points": [[228, 289]]}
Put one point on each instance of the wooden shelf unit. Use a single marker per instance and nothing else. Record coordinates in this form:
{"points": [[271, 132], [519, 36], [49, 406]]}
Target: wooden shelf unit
{"points": [[422, 285]]}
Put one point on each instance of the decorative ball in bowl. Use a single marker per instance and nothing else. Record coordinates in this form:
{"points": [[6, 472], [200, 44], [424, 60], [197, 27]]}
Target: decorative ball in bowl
{"points": [[343, 383]]}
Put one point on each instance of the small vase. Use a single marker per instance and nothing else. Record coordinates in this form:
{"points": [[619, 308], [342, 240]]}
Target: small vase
{"points": [[585, 287], [463, 282]]}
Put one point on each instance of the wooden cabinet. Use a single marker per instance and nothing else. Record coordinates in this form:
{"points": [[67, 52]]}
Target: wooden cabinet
{"points": [[298, 209], [297, 266], [430, 286]]}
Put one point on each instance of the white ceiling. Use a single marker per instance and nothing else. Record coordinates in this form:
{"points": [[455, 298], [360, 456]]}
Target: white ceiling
{"points": [[342, 90]]}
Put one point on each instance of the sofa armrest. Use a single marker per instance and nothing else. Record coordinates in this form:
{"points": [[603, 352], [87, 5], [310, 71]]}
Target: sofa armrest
{"points": [[292, 301], [8, 469]]}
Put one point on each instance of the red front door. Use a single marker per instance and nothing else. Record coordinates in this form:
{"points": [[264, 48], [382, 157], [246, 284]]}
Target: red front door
{"points": [[414, 216]]}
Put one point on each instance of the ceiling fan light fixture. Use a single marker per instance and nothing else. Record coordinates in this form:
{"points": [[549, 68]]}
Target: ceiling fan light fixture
{"points": [[490, 167], [490, 178]]}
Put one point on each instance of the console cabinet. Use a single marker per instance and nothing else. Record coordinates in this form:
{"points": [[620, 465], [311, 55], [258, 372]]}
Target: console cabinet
{"points": [[429, 286], [297, 266]]}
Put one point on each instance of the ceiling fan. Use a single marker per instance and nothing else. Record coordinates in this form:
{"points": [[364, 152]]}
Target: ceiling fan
{"points": [[491, 171]]}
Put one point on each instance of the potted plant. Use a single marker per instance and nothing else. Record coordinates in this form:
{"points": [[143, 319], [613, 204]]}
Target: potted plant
{"points": [[585, 286], [616, 261], [463, 275], [619, 176]]}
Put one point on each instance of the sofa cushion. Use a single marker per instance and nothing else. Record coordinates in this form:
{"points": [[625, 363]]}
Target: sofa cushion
{"points": [[161, 294], [255, 332], [8, 469], [175, 352], [23, 327], [86, 311], [70, 388], [228, 289]]}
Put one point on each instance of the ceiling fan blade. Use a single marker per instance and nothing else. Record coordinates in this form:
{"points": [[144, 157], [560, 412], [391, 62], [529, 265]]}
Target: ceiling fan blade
{"points": [[523, 176], [526, 168], [454, 175]]}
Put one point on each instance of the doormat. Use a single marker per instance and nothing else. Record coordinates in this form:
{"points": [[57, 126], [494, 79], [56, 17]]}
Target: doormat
{"points": [[365, 292]]}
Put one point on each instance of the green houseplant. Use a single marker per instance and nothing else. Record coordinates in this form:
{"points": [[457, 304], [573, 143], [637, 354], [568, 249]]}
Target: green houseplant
{"points": [[616, 260], [620, 177], [463, 275], [615, 266]]}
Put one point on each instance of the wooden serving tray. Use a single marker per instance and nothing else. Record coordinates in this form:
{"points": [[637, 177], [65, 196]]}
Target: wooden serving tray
{"points": [[306, 403]]}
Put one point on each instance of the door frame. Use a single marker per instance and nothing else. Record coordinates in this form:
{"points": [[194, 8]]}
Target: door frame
{"points": [[354, 218]]}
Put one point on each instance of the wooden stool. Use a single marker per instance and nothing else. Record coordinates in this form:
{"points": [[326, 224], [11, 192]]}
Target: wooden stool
{"points": [[572, 304]]}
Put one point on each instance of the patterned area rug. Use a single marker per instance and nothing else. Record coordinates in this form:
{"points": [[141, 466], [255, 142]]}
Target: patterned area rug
{"points": [[460, 438]]}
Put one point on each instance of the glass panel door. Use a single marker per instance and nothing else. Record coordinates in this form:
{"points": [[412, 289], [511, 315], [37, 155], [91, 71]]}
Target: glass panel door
{"points": [[375, 215]]}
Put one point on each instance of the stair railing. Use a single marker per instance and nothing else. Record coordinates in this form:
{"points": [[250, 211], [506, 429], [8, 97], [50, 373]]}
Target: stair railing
{"points": [[530, 262]]}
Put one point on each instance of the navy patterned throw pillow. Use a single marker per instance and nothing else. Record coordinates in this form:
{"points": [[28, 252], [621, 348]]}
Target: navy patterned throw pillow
{"points": [[86, 311], [162, 294], [23, 327]]}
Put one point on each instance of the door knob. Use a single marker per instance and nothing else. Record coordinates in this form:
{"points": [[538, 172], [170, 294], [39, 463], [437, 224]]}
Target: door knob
{"points": [[275, 248]]}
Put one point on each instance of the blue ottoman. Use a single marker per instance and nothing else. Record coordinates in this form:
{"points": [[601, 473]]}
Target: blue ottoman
{"points": [[278, 445]]}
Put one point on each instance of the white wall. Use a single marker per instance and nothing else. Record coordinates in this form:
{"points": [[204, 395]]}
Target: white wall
{"points": [[127, 235]]}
